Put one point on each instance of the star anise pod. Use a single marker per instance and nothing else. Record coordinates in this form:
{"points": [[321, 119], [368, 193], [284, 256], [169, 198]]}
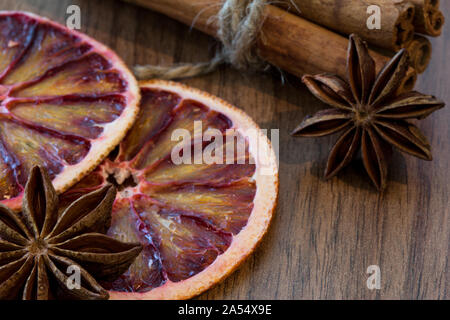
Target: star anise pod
{"points": [[370, 111], [40, 249]]}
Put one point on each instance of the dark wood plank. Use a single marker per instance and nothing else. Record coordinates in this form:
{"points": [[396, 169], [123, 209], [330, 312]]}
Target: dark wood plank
{"points": [[325, 233]]}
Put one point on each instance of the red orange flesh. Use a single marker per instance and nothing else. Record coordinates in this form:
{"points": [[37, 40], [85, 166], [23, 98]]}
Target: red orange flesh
{"points": [[196, 221], [65, 102]]}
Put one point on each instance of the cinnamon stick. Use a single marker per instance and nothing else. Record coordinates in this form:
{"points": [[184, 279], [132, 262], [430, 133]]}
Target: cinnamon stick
{"points": [[428, 18], [419, 53], [408, 82], [350, 16], [286, 40]]}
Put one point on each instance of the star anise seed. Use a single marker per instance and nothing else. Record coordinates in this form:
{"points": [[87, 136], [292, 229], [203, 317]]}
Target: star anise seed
{"points": [[41, 249], [370, 111]]}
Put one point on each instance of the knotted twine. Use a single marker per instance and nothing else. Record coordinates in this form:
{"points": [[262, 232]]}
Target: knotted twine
{"points": [[239, 23]]}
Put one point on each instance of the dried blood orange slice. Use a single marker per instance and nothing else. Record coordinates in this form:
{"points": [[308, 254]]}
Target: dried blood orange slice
{"points": [[65, 102], [197, 220]]}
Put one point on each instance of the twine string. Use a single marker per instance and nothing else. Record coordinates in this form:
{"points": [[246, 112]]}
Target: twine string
{"points": [[239, 23]]}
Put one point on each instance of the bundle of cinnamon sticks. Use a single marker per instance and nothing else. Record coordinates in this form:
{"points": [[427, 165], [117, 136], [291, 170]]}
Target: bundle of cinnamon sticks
{"points": [[401, 22], [311, 36]]}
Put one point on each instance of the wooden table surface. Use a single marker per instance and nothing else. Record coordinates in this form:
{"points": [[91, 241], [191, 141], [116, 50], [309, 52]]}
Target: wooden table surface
{"points": [[325, 233]]}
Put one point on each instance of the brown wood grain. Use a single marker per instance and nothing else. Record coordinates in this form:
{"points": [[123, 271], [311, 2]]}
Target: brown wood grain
{"points": [[325, 233]]}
